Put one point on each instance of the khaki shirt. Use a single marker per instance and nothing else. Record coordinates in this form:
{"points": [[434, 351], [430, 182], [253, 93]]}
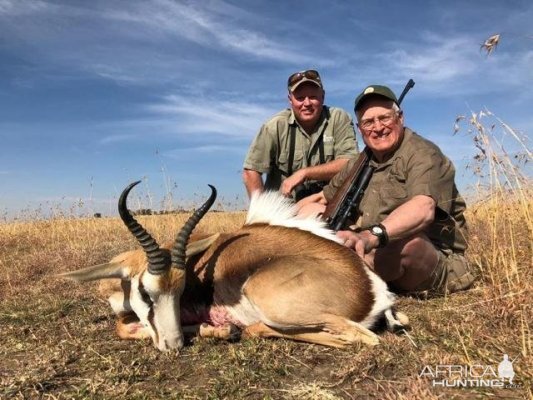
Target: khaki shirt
{"points": [[269, 151], [417, 168]]}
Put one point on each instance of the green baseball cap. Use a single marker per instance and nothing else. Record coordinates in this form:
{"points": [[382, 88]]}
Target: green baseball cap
{"points": [[378, 90]]}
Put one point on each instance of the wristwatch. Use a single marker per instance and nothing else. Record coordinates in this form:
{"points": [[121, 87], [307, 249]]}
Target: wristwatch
{"points": [[380, 231]]}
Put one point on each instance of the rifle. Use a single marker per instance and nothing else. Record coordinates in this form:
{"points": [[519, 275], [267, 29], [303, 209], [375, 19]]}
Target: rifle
{"points": [[347, 198]]}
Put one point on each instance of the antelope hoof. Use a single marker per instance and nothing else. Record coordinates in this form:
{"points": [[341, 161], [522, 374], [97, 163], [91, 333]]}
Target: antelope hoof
{"points": [[403, 318], [226, 332]]}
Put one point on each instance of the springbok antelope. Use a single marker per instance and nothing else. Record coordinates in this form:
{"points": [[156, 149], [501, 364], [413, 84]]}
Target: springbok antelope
{"points": [[277, 276]]}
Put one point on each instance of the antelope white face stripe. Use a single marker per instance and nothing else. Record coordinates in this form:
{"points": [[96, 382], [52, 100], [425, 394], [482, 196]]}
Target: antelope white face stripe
{"points": [[167, 322], [159, 312], [140, 307]]}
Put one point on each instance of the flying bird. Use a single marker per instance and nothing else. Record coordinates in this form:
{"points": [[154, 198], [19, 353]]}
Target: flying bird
{"points": [[490, 44]]}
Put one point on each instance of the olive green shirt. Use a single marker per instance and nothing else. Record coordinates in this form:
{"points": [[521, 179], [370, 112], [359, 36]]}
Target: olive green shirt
{"points": [[269, 151], [418, 167]]}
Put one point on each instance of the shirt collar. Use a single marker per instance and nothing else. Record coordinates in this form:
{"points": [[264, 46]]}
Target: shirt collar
{"points": [[324, 116]]}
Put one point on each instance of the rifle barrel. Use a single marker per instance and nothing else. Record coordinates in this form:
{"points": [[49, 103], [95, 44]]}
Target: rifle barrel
{"points": [[350, 193], [407, 87]]}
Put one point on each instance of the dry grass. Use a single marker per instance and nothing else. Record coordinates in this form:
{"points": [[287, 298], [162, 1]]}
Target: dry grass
{"points": [[57, 338]]}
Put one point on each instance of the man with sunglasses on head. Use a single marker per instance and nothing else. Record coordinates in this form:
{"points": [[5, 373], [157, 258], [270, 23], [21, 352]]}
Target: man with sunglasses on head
{"points": [[411, 229], [300, 149]]}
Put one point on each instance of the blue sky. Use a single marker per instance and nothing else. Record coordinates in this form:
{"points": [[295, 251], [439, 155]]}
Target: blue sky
{"points": [[96, 94]]}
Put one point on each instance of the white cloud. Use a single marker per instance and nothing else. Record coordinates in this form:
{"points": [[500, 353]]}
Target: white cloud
{"points": [[209, 27], [115, 73], [191, 116], [439, 59], [118, 138], [202, 115], [204, 150], [451, 66], [21, 7], [144, 42]]}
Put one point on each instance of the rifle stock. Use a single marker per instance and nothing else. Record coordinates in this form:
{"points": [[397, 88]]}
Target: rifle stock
{"points": [[347, 197], [336, 208]]}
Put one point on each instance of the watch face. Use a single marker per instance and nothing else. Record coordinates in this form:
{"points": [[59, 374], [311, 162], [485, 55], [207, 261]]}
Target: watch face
{"points": [[376, 230], [381, 233]]}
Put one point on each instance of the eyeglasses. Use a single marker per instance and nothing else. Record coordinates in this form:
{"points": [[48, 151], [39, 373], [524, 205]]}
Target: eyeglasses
{"points": [[384, 119], [298, 76]]}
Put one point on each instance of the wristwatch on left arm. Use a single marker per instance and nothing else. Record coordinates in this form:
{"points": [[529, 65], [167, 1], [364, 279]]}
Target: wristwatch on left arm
{"points": [[381, 233]]}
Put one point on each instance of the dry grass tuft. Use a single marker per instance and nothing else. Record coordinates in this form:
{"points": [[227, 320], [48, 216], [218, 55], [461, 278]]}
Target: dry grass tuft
{"points": [[58, 342]]}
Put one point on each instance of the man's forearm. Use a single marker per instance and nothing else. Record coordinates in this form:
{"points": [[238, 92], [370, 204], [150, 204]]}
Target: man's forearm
{"points": [[407, 220], [326, 171], [410, 218], [252, 181]]}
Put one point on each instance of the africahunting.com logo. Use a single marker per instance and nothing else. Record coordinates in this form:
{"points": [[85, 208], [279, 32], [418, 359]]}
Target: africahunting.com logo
{"points": [[446, 375]]}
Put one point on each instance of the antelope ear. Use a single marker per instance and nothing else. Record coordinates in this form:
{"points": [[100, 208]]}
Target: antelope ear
{"points": [[96, 272], [200, 245]]}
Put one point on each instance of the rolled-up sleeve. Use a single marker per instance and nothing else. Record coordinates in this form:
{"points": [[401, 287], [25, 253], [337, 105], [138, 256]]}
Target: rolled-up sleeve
{"points": [[343, 130], [431, 175], [262, 151]]}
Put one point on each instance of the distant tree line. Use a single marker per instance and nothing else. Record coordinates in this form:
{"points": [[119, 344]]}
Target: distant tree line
{"points": [[148, 211]]}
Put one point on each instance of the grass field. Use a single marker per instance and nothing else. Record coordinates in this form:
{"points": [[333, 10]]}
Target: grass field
{"points": [[57, 338]]}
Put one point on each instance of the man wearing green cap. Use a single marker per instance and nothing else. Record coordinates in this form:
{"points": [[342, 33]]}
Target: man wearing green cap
{"points": [[301, 148], [411, 229]]}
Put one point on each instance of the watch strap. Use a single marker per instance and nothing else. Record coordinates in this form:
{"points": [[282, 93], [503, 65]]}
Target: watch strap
{"points": [[384, 237]]}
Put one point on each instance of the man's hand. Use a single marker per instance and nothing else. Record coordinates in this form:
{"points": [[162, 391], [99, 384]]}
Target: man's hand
{"points": [[292, 181], [363, 242]]}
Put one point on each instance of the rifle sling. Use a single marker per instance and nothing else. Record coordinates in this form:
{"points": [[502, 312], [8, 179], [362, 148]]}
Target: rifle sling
{"points": [[292, 145]]}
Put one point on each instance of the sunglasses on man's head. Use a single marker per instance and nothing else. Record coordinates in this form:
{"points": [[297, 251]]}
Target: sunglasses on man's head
{"points": [[298, 76]]}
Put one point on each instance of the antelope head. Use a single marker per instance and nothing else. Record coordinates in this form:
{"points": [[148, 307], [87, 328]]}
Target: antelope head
{"points": [[152, 284]]}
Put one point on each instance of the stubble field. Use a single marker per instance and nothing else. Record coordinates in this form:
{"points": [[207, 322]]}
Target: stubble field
{"points": [[57, 338]]}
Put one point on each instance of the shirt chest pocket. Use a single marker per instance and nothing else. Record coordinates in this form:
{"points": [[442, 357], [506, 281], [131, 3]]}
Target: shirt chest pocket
{"points": [[283, 162], [393, 187]]}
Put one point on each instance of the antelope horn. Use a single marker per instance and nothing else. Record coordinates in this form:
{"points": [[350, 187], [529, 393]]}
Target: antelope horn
{"points": [[180, 244], [158, 262]]}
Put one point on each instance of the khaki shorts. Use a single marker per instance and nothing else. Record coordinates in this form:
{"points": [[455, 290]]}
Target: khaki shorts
{"points": [[452, 274]]}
